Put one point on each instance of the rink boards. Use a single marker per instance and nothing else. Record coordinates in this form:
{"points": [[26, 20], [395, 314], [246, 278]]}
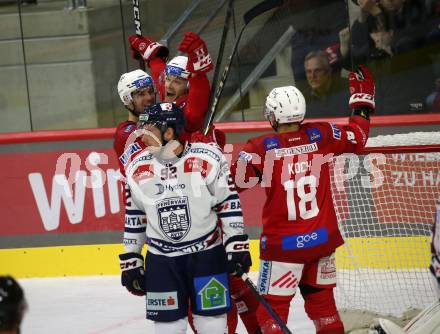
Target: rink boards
{"points": [[85, 260]]}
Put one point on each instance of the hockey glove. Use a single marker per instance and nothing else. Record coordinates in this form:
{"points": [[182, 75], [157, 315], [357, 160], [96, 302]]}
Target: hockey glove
{"points": [[132, 275], [362, 91], [238, 256], [199, 60], [147, 48]]}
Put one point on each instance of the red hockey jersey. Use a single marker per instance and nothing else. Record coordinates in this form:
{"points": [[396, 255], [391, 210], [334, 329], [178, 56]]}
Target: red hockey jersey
{"points": [[194, 104], [299, 220]]}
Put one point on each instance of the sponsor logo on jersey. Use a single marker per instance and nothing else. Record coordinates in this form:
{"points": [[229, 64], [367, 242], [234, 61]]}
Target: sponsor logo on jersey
{"points": [[264, 278], [143, 172], [132, 149], [241, 306], [193, 165], [127, 241], [287, 280], [143, 158], [263, 242], [271, 143], [162, 187], [299, 241], [296, 150], [314, 134], [174, 217], [134, 221], [336, 131], [212, 292], [129, 128], [326, 270], [244, 156], [205, 151], [162, 301]]}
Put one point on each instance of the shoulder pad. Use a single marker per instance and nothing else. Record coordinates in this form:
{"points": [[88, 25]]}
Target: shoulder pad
{"points": [[211, 150]]}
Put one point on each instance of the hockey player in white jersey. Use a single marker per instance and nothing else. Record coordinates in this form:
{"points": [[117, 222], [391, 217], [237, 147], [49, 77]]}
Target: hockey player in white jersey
{"points": [[177, 196], [428, 321]]}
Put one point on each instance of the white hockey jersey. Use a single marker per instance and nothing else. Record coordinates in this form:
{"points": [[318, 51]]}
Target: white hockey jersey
{"points": [[175, 206]]}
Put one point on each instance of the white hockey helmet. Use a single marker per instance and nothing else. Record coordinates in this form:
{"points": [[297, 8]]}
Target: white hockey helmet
{"points": [[285, 105], [131, 82], [177, 67]]}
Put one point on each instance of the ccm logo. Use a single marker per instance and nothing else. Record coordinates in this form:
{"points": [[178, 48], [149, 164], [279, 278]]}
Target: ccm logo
{"points": [[239, 247], [127, 265], [362, 96]]}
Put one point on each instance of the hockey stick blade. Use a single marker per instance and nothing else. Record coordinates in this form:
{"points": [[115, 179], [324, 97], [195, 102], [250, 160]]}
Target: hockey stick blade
{"points": [[137, 27], [265, 304], [252, 13], [260, 9]]}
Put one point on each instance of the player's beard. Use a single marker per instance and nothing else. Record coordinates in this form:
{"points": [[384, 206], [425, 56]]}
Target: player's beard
{"points": [[167, 151], [163, 152]]}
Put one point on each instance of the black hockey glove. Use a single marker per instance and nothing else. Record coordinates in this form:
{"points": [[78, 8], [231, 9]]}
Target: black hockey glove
{"points": [[132, 275], [238, 256]]}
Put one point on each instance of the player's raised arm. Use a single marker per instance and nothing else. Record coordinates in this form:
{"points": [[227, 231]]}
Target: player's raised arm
{"points": [[353, 137], [154, 54], [199, 63]]}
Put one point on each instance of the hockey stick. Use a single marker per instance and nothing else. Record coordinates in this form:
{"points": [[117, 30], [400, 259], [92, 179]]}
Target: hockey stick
{"points": [[266, 305], [137, 27], [221, 49], [252, 13]]}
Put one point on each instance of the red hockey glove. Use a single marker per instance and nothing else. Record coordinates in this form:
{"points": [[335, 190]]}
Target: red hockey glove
{"points": [[238, 256], [213, 136], [132, 275], [199, 60], [199, 137], [362, 89], [147, 48]]}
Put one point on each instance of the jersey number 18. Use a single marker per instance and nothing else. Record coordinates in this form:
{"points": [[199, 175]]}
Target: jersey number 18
{"points": [[305, 211]]}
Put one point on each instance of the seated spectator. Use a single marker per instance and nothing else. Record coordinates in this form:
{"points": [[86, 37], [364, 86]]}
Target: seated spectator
{"points": [[327, 93], [392, 38]]}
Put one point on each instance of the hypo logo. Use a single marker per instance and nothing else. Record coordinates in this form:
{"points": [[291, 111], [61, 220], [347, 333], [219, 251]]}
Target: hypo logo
{"points": [[299, 241]]}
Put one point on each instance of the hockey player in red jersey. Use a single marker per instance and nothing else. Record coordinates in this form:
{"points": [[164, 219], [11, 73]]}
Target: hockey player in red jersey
{"points": [[183, 79], [300, 232], [137, 91]]}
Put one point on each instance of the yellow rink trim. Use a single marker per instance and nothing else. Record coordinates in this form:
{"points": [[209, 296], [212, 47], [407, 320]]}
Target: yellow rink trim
{"points": [[385, 253], [84, 260]]}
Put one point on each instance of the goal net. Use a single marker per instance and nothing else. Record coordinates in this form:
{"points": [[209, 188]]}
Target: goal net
{"points": [[385, 202]]}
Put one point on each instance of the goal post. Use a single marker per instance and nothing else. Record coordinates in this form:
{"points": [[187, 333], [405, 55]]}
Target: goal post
{"points": [[385, 202]]}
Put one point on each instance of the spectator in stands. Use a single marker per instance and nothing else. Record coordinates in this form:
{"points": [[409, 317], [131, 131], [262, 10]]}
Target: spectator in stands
{"points": [[327, 93], [391, 36], [12, 305], [317, 28]]}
